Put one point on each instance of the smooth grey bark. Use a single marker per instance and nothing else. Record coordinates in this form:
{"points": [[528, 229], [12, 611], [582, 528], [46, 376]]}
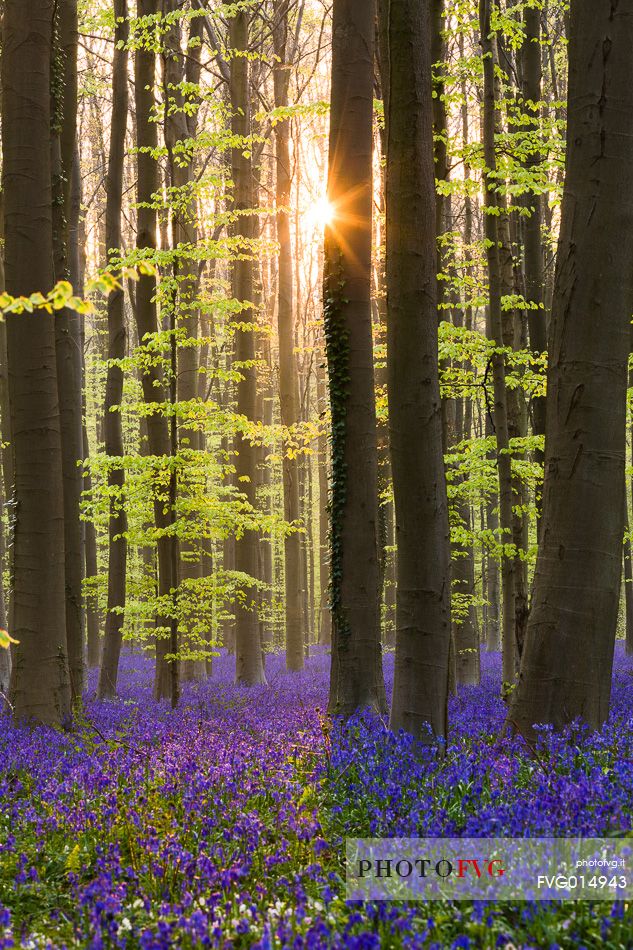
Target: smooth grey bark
{"points": [[423, 625], [68, 327], [112, 423], [266, 397], [93, 637], [181, 123], [5, 654], [495, 332], [154, 390], [40, 681], [356, 679], [567, 663], [532, 224], [249, 664], [78, 269], [515, 337], [464, 566], [325, 613], [628, 554], [628, 588], [288, 380]]}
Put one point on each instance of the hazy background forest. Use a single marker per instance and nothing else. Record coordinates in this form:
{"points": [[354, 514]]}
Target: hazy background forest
{"points": [[316, 460]]}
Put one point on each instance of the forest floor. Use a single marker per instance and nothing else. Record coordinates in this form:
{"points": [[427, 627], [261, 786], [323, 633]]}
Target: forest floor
{"points": [[222, 824]]}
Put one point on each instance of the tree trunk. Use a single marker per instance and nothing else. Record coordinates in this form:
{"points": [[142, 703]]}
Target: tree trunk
{"points": [[493, 622], [265, 402], [385, 507], [464, 575], [112, 423], [628, 554], [93, 644], [67, 328], [288, 382], [496, 334], [533, 241], [181, 121], [515, 337], [249, 665], [628, 585], [93, 652], [40, 680], [147, 325], [423, 626], [325, 614], [5, 654], [356, 676], [567, 663]]}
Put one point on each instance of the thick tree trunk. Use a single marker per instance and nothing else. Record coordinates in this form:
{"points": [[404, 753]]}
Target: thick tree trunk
{"points": [[40, 680], [147, 324], [496, 333], [288, 382], [567, 663], [356, 676], [68, 330], [423, 626], [112, 423], [249, 665]]}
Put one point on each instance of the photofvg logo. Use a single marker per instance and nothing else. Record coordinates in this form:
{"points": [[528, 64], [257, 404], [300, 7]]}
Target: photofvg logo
{"points": [[423, 867], [418, 869]]}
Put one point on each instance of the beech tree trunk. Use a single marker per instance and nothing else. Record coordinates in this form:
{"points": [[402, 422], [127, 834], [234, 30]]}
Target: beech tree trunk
{"points": [[40, 679], [78, 268], [515, 337], [325, 613], [532, 224], [154, 391], [112, 424], [5, 654], [628, 556], [266, 398], [68, 329], [496, 333], [356, 675], [288, 381], [181, 123], [249, 663], [567, 663], [464, 567], [93, 644], [423, 623], [628, 587]]}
